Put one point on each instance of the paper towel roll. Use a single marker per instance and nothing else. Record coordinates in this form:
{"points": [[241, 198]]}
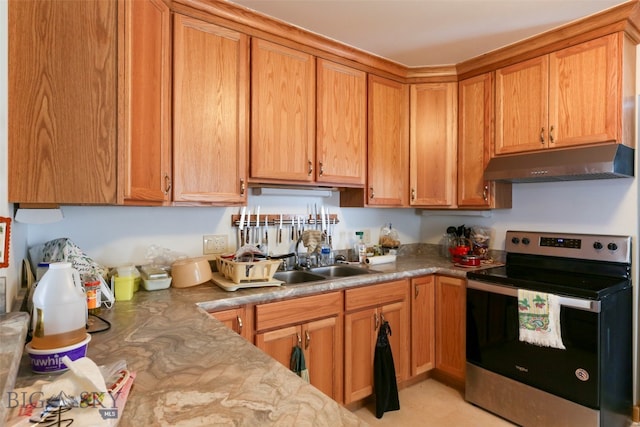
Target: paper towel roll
{"points": [[382, 259]]}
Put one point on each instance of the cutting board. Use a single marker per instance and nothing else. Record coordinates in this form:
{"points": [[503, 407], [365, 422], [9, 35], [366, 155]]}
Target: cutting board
{"points": [[229, 285]]}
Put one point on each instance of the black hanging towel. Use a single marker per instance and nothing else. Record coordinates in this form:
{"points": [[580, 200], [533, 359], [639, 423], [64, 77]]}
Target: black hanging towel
{"points": [[384, 374], [297, 363]]}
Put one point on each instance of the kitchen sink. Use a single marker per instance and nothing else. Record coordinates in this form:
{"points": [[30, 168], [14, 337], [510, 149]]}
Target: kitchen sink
{"points": [[297, 276], [320, 273], [341, 271]]}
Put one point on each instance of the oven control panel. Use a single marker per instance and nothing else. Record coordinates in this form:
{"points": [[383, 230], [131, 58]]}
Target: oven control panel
{"points": [[582, 246]]}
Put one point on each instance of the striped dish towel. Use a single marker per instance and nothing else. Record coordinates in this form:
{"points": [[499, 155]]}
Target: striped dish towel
{"points": [[539, 319]]}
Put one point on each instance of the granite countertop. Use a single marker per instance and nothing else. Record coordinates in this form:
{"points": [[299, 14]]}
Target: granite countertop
{"points": [[192, 370], [13, 331]]}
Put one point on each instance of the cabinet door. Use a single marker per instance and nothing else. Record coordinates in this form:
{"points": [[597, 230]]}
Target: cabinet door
{"points": [[475, 146], [62, 101], [211, 100], [433, 144], [450, 327], [341, 125], [522, 92], [280, 342], [323, 353], [388, 143], [422, 325], [360, 340], [237, 320], [585, 93], [146, 102], [282, 113], [398, 316]]}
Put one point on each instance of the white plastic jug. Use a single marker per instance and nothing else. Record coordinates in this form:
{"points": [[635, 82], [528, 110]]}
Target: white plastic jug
{"points": [[59, 315]]}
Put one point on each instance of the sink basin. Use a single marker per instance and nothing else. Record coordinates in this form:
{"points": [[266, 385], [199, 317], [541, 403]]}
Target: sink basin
{"points": [[297, 276], [341, 271]]}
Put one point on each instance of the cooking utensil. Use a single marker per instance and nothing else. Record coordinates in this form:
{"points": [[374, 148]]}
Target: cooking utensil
{"points": [[241, 226], [248, 232], [258, 233], [280, 231]]}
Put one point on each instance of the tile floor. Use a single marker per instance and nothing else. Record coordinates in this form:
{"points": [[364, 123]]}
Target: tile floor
{"points": [[432, 404]]}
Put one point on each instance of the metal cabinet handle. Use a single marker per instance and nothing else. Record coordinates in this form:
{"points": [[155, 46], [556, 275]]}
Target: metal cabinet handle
{"points": [[299, 340], [376, 322], [542, 136], [371, 193], [485, 193], [239, 324], [551, 138], [307, 337], [321, 168], [382, 318], [167, 184], [242, 187], [310, 168], [413, 194], [417, 291]]}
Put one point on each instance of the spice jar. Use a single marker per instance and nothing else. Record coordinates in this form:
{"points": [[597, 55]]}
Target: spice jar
{"points": [[92, 291]]}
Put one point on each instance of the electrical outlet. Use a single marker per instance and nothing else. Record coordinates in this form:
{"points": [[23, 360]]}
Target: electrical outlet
{"points": [[366, 236], [214, 244]]}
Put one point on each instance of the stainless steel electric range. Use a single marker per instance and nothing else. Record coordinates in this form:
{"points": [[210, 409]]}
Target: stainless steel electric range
{"points": [[586, 383]]}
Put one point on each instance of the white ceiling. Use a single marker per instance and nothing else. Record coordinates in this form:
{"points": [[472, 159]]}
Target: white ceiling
{"points": [[419, 33]]}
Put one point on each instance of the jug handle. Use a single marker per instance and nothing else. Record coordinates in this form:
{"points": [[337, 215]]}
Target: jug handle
{"points": [[78, 283]]}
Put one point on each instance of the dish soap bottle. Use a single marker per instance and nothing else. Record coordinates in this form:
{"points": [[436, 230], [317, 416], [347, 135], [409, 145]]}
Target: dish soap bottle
{"points": [[360, 248]]}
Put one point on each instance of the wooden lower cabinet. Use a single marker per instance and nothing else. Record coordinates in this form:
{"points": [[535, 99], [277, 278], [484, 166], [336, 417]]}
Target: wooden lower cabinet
{"points": [[450, 328], [422, 324], [238, 319], [316, 324], [364, 309]]}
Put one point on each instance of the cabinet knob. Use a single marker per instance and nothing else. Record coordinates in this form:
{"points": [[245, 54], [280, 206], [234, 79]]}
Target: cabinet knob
{"points": [[542, 136], [321, 169], [310, 168], [167, 184]]}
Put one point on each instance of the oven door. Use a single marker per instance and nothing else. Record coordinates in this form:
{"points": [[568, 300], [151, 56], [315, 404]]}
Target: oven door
{"points": [[493, 344]]}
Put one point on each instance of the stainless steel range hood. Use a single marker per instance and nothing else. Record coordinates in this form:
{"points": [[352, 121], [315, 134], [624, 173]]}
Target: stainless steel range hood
{"points": [[572, 164]]}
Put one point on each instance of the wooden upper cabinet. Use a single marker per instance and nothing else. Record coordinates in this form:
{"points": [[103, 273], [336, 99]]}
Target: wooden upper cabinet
{"points": [[282, 114], [341, 132], [388, 143], [62, 102], [475, 145], [145, 97], [585, 92], [210, 113], [433, 144], [573, 96], [522, 92]]}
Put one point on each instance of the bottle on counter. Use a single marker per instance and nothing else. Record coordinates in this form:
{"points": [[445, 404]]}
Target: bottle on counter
{"points": [[326, 254], [360, 247]]}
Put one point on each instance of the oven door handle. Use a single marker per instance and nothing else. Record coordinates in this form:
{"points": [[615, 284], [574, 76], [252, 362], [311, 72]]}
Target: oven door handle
{"points": [[579, 303]]}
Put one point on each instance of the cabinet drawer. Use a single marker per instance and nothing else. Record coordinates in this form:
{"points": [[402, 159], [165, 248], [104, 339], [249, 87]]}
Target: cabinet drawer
{"points": [[374, 295], [298, 310]]}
